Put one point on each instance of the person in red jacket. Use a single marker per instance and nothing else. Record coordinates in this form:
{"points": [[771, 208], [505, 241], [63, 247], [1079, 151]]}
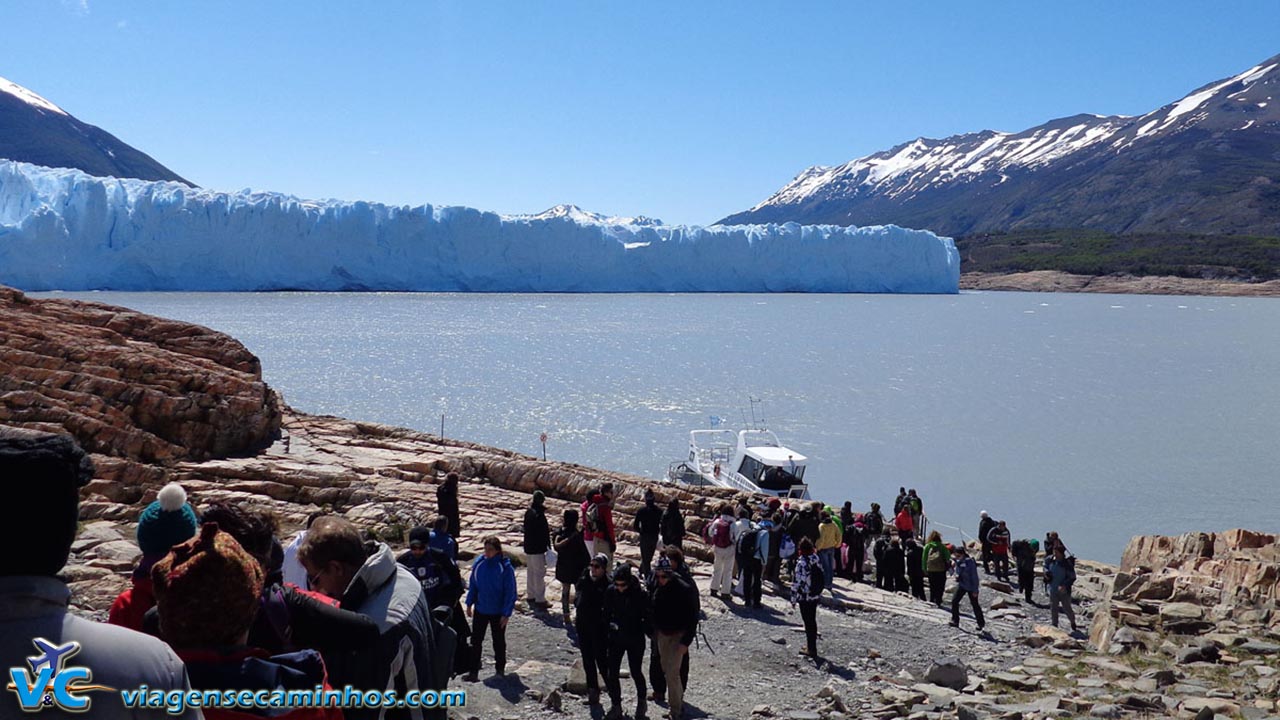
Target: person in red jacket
{"points": [[597, 522], [207, 592], [906, 526], [166, 522]]}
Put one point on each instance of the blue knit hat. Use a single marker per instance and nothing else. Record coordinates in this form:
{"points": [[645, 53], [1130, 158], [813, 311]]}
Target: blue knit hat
{"points": [[167, 521]]}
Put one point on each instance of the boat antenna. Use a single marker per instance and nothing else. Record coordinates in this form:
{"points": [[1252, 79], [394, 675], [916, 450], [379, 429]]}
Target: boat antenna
{"points": [[744, 416], [754, 424]]}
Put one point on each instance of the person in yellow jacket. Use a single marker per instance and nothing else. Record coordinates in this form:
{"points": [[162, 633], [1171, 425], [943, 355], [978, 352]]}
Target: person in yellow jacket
{"points": [[829, 539]]}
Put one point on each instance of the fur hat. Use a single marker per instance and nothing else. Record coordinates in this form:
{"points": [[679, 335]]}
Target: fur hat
{"points": [[167, 521], [208, 590]]}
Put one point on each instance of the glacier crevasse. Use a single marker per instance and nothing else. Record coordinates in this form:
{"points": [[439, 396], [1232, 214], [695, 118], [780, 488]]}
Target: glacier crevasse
{"points": [[65, 230]]}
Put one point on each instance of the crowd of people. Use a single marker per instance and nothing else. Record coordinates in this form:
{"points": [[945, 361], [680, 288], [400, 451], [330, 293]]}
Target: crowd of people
{"points": [[219, 600]]}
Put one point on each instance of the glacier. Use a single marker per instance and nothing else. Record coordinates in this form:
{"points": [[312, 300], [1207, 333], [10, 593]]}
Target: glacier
{"points": [[61, 229]]}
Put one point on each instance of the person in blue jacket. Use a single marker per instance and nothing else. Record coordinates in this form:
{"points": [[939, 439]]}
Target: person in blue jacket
{"points": [[966, 569], [491, 598]]}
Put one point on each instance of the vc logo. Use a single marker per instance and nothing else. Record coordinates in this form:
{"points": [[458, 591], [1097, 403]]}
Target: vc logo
{"points": [[51, 683]]}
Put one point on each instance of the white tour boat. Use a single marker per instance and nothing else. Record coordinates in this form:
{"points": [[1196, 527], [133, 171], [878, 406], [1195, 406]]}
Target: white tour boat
{"points": [[749, 460]]}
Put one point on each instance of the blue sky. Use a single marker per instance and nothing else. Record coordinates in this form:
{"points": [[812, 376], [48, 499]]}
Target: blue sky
{"points": [[685, 111]]}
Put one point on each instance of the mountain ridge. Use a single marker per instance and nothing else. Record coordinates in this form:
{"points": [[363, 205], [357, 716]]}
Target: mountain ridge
{"points": [[35, 130], [1160, 171]]}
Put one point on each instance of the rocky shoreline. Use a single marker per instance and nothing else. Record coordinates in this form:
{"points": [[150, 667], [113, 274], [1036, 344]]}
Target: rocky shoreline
{"points": [[1057, 281], [1184, 627]]}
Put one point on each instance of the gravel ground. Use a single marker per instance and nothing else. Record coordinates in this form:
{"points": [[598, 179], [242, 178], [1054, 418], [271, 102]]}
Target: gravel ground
{"points": [[865, 635]]}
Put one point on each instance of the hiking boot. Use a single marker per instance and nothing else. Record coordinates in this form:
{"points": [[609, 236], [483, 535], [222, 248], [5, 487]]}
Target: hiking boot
{"points": [[615, 713], [954, 623], [471, 677]]}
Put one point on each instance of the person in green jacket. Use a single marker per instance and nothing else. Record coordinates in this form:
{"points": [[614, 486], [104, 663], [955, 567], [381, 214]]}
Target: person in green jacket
{"points": [[936, 561]]}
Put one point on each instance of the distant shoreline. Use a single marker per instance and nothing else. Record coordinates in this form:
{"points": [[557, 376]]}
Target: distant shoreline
{"points": [[1057, 281]]}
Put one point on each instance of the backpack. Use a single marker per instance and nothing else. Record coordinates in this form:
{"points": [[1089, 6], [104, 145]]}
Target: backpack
{"points": [[874, 523], [817, 579], [748, 542], [592, 520], [787, 547], [916, 506], [720, 536]]}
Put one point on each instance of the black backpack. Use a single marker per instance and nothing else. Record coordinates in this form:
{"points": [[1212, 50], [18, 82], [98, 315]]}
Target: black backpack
{"points": [[747, 543], [817, 579]]}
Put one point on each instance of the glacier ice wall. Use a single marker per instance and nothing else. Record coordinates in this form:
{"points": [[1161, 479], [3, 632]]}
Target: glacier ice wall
{"points": [[65, 230]]}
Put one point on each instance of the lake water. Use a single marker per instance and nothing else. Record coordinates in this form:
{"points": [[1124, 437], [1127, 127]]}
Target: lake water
{"points": [[1101, 416]]}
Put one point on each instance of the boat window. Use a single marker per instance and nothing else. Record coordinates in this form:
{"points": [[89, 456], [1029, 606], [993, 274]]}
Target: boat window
{"points": [[799, 473], [751, 469]]}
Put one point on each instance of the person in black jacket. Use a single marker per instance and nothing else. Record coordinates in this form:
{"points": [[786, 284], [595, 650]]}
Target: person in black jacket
{"points": [[985, 526], [915, 568], [878, 552], [591, 625], [447, 501], [1024, 559], [854, 538], [572, 558], [537, 540], [443, 587], [894, 565], [648, 524], [657, 677], [673, 525], [626, 611], [675, 623]]}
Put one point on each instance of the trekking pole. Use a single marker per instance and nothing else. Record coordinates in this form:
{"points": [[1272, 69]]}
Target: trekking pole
{"points": [[703, 635]]}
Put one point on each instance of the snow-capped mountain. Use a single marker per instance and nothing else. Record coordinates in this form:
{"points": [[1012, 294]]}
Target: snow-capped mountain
{"points": [[586, 217], [1209, 162], [34, 130]]}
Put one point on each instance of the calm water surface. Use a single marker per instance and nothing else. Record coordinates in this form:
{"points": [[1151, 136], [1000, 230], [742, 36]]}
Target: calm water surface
{"points": [[1101, 416]]}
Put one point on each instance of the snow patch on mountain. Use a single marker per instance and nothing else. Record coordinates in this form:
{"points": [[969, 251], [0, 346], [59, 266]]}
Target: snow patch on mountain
{"points": [[28, 97], [586, 217]]}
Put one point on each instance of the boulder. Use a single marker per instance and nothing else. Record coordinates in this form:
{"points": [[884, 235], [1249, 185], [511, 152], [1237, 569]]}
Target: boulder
{"points": [[898, 696], [1259, 647], [1017, 681], [1218, 706], [1202, 652], [948, 672], [577, 682]]}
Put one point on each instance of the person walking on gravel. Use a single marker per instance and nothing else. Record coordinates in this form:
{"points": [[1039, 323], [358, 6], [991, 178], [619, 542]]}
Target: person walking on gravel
{"points": [[589, 621], [648, 525], [806, 590], [937, 560], [1061, 577], [967, 576], [999, 539], [627, 614], [537, 540], [675, 622]]}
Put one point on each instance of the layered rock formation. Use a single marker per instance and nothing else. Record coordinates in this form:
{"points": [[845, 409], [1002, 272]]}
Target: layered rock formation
{"points": [[128, 385], [1226, 585]]}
